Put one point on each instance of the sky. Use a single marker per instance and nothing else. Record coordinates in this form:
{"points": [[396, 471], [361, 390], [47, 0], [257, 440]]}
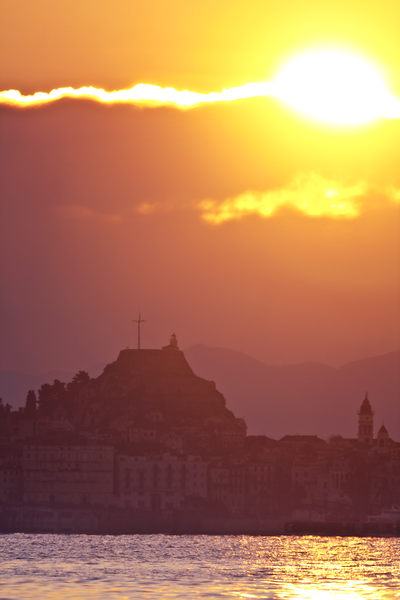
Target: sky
{"points": [[241, 224]]}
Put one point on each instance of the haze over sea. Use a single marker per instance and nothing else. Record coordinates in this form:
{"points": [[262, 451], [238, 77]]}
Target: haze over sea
{"points": [[161, 566]]}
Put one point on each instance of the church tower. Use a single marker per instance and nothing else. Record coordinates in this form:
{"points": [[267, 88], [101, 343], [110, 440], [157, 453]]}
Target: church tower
{"points": [[382, 440], [366, 422]]}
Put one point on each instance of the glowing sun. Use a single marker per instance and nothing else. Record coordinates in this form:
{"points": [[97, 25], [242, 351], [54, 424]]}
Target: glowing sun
{"points": [[336, 87]]}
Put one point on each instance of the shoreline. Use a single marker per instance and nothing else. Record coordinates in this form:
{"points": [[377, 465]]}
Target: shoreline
{"points": [[117, 521]]}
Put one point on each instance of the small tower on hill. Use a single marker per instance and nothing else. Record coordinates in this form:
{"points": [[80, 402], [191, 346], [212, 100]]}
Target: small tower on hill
{"points": [[173, 343], [366, 422], [382, 440]]}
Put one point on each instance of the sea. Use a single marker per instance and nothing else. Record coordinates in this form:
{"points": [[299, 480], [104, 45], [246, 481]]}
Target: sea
{"points": [[125, 567]]}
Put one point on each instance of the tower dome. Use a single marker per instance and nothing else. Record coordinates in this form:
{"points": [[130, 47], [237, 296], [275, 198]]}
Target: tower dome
{"points": [[366, 422], [365, 408]]}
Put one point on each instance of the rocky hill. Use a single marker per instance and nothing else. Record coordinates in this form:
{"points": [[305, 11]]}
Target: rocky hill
{"points": [[150, 401], [141, 383]]}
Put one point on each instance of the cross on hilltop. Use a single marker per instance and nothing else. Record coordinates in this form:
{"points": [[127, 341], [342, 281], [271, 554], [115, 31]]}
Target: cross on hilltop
{"points": [[139, 321]]}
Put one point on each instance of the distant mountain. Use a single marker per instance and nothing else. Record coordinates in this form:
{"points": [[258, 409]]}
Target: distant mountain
{"points": [[14, 385], [309, 398]]}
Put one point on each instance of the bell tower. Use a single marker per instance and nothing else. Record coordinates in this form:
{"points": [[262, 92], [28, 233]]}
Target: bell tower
{"points": [[366, 422]]}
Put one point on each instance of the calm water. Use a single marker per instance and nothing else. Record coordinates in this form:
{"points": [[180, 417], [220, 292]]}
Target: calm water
{"points": [[62, 567]]}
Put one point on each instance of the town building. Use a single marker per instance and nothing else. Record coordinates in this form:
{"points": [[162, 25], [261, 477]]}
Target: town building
{"points": [[68, 474], [11, 476], [227, 483], [260, 484], [160, 482], [382, 440]]}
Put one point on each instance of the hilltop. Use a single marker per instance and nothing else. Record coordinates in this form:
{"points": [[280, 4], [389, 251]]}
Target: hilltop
{"points": [[145, 401], [142, 382]]}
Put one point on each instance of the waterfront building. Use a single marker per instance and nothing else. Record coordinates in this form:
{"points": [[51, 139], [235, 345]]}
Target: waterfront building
{"points": [[227, 485], [161, 482], [260, 484], [68, 474], [11, 476]]}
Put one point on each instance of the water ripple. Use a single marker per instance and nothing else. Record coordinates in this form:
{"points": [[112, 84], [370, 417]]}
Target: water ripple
{"points": [[74, 567]]}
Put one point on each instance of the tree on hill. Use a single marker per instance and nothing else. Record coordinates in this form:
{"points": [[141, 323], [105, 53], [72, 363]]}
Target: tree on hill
{"points": [[62, 395], [30, 404], [79, 381], [4, 410], [51, 395]]}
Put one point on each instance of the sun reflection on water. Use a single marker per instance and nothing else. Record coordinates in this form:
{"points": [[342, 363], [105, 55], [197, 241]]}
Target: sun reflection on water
{"points": [[346, 591], [155, 567], [352, 592]]}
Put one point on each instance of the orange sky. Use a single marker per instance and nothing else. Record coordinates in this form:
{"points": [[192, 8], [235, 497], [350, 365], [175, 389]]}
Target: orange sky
{"points": [[103, 207]]}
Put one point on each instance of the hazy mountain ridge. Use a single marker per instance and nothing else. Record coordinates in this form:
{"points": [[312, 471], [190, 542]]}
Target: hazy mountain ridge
{"points": [[305, 398]]}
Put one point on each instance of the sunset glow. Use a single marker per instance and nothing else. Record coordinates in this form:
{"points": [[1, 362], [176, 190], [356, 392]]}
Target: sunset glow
{"points": [[310, 194], [329, 86], [335, 87], [203, 162]]}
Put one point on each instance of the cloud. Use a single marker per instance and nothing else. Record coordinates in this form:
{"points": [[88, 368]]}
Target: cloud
{"points": [[310, 194], [149, 208], [393, 193], [341, 101], [142, 94], [78, 212]]}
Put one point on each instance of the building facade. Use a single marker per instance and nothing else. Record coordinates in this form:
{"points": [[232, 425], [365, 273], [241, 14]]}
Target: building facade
{"points": [[68, 474], [161, 482]]}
